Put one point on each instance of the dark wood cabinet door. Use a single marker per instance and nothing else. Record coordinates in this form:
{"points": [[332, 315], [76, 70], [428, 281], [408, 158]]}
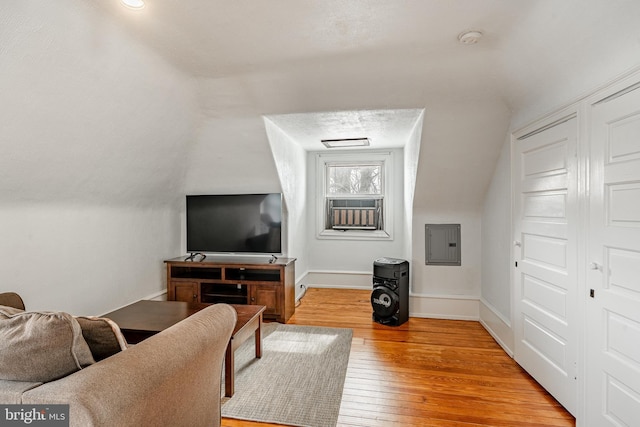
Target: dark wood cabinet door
{"points": [[267, 295], [185, 291]]}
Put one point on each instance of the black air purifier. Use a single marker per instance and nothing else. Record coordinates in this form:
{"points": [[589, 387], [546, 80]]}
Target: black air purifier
{"points": [[390, 296]]}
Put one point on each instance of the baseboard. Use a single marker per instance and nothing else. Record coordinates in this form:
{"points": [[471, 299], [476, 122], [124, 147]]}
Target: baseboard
{"points": [[497, 326], [332, 279], [455, 307], [452, 307], [157, 296], [301, 286], [337, 279]]}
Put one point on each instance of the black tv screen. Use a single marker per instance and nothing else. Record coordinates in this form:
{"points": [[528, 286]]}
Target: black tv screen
{"points": [[230, 223]]}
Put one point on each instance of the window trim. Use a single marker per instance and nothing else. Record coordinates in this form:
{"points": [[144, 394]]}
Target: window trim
{"points": [[386, 159]]}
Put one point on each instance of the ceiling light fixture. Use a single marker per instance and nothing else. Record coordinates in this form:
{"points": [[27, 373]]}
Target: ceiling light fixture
{"points": [[469, 37], [345, 142], [133, 4]]}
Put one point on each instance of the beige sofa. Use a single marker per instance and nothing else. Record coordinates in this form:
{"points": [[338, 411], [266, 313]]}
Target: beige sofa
{"points": [[170, 379]]}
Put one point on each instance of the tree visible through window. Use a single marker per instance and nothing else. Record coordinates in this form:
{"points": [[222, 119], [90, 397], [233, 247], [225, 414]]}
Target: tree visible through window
{"points": [[349, 180], [354, 196]]}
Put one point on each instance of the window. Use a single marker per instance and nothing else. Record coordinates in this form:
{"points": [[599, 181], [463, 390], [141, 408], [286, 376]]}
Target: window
{"points": [[353, 195], [354, 198]]}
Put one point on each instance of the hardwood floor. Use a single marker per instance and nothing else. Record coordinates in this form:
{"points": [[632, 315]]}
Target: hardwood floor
{"points": [[426, 372]]}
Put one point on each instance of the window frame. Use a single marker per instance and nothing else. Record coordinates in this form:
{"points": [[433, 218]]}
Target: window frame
{"points": [[385, 160]]}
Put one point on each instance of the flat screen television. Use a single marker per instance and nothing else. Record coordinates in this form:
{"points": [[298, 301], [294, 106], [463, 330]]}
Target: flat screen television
{"points": [[235, 223]]}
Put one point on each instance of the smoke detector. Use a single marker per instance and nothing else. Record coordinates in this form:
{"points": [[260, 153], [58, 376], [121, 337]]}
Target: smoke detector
{"points": [[469, 37]]}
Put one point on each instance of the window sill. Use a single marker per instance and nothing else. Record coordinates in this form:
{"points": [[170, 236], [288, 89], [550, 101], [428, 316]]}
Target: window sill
{"points": [[354, 235]]}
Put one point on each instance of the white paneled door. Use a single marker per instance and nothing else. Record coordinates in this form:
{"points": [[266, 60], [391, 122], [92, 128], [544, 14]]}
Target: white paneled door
{"points": [[613, 308], [545, 255]]}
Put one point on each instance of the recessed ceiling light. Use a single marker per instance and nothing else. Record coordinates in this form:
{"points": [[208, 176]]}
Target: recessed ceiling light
{"points": [[345, 142], [133, 4], [469, 37]]}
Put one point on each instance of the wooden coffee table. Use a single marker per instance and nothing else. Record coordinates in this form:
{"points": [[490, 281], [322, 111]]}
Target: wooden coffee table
{"points": [[146, 318]]}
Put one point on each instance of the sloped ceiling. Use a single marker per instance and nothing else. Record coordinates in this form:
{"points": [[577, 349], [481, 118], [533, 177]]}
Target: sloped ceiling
{"points": [[87, 114], [527, 44], [251, 59], [295, 57]]}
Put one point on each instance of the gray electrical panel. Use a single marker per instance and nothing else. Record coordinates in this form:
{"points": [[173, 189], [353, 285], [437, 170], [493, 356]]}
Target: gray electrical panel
{"points": [[442, 244]]}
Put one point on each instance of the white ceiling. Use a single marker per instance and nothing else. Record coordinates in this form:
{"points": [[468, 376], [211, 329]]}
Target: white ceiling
{"points": [[383, 128], [526, 43], [381, 54], [351, 68]]}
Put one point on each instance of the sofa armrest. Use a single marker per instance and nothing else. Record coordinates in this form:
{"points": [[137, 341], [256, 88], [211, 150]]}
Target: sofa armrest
{"points": [[11, 391], [172, 378]]}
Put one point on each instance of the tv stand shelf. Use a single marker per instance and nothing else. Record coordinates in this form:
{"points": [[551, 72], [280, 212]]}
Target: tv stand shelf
{"points": [[235, 280]]}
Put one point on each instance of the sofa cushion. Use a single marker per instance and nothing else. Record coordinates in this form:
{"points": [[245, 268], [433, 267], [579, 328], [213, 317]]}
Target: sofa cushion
{"points": [[102, 335], [11, 391], [6, 310], [40, 346]]}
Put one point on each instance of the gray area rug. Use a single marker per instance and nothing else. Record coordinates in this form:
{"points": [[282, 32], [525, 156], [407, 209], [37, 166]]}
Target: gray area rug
{"points": [[297, 382]]}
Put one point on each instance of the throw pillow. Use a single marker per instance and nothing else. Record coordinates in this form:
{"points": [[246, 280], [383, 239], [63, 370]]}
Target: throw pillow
{"points": [[40, 346], [103, 336]]}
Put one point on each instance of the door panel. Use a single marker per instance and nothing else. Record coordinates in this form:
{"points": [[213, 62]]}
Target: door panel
{"points": [[545, 205], [624, 271], [613, 313], [545, 250], [543, 340], [545, 284], [545, 296]]}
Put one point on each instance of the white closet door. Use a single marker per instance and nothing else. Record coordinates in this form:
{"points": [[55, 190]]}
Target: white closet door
{"points": [[545, 226], [613, 313]]}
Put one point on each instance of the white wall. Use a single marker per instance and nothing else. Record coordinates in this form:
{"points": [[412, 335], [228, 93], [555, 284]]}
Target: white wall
{"points": [[566, 71], [463, 280], [352, 256], [85, 259], [94, 134], [291, 163], [496, 292], [446, 291], [231, 155], [410, 171]]}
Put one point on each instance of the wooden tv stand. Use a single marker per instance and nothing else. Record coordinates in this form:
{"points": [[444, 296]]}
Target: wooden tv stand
{"points": [[235, 280]]}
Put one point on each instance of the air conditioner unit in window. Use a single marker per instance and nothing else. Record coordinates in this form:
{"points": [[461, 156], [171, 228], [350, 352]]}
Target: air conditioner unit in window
{"points": [[344, 218]]}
